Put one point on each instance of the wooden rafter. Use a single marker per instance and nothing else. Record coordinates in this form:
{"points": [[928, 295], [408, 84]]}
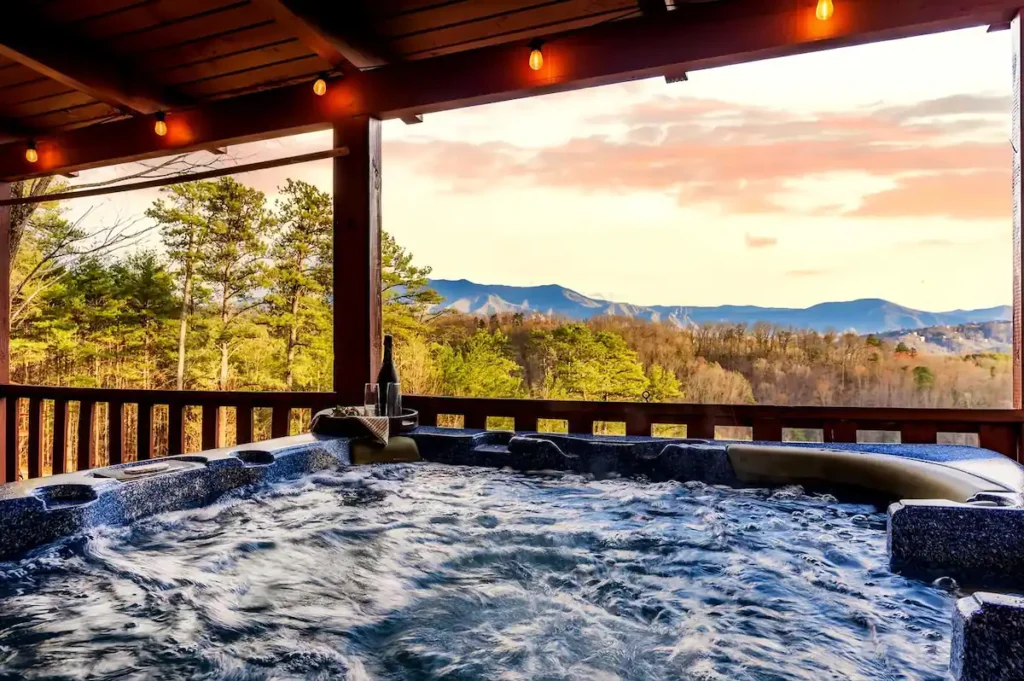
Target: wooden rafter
{"points": [[652, 7], [51, 52], [11, 130], [690, 38], [332, 30]]}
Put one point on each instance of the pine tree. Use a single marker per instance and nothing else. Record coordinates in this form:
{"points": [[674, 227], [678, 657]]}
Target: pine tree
{"points": [[232, 258], [185, 225], [300, 274]]}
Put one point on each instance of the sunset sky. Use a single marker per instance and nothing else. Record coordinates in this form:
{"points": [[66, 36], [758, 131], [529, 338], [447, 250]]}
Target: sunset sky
{"points": [[877, 171]]}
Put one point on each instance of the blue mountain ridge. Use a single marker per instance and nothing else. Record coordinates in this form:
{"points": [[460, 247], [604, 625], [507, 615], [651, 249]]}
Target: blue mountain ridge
{"points": [[868, 315]]}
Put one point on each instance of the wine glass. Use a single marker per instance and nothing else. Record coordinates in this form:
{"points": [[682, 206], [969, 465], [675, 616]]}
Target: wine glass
{"points": [[393, 399], [370, 399]]}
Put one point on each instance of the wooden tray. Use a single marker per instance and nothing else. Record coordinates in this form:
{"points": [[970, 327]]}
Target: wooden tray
{"points": [[324, 423], [409, 420]]}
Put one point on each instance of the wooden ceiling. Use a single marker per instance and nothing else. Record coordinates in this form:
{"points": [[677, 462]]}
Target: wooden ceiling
{"points": [[83, 77], [193, 51]]}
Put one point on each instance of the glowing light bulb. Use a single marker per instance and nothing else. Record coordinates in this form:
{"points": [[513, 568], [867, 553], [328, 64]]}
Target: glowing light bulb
{"points": [[31, 155], [825, 10], [320, 87], [160, 127], [536, 55]]}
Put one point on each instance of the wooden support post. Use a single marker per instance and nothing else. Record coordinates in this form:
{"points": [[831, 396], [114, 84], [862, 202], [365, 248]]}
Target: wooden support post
{"points": [[5, 335], [1018, 210], [357, 320]]}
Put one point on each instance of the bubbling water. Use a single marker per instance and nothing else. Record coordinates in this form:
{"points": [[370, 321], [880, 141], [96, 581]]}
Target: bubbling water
{"points": [[426, 571]]}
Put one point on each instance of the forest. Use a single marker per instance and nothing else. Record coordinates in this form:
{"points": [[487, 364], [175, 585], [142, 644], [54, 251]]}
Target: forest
{"points": [[219, 288]]}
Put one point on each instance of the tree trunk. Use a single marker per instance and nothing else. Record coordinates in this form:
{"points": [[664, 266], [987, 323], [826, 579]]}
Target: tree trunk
{"points": [[293, 343], [222, 381], [183, 327]]}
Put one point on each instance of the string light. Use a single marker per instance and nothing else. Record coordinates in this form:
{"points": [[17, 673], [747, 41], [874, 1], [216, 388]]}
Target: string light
{"points": [[31, 155], [160, 127], [825, 10], [536, 54], [320, 86]]}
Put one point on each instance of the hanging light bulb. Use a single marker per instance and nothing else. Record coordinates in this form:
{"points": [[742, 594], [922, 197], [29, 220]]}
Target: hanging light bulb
{"points": [[536, 54], [31, 155], [825, 10], [160, 127], [320, 86]]}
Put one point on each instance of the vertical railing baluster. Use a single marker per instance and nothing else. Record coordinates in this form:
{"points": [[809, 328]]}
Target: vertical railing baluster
{"points": [[918, 433], [12, 440], [86, 436], [840, 431], [637, 423], [702, 428], [580, 424], [999, 437], [60, 435], [35, 438], [144, 432], [523, 423], [115, 432], [279, 421], [211, 426], [243, 424], [175, 426], [767, 430]]}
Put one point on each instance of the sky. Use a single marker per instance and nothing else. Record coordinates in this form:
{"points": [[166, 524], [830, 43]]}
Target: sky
{"points": [[875, 171]]}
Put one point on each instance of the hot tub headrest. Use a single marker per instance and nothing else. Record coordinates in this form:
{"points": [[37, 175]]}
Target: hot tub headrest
{"points": [[891, 476]]}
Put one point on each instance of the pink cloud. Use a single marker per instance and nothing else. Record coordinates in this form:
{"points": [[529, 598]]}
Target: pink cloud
{"points": [[744, 158], [760, 241]]}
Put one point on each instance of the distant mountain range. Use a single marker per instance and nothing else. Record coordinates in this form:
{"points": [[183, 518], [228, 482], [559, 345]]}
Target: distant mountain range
{"points": [[869, 315]]}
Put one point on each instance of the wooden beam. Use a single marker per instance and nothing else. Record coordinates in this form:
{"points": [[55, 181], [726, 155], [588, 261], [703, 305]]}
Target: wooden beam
{"points": [[332, 30], [357, 227], [45, 48], [175, 179], [11, 131], [691, 37], [652, 7], [1016, 137], [676, 75]]}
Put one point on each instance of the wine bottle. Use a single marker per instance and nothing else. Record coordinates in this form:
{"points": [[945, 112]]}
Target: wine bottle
{"points": [[388, 374]]}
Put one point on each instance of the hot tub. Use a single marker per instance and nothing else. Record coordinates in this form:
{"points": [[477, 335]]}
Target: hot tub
{"points": [[520, 556]]}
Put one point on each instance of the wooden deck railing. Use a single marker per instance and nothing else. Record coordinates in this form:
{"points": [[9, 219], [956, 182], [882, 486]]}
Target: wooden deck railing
{"points": [[54, 430], [998, 430], [62, 427]]}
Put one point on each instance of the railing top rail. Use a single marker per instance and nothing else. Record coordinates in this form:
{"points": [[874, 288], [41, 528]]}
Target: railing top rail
{"points": [[186, 397], [672, 410], [528, 408]]}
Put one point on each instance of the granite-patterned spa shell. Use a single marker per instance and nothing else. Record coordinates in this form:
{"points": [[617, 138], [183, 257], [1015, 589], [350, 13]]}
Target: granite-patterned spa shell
{"points": [[977, 540]]}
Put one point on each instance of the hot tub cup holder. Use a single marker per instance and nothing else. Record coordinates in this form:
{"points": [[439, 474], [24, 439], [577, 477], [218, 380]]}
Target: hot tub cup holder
{"points": [[65, 496], [254, 457]]}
